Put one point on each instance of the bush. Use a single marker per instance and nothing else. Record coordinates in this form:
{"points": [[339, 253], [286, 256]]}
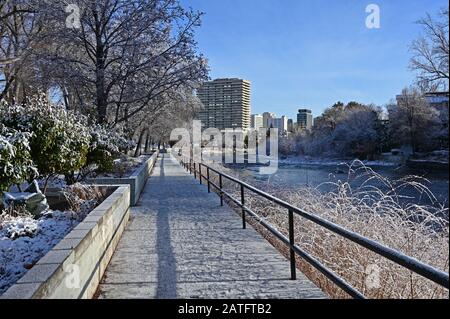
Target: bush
{"points": [[59, 140], [105, 146], [16, 165]]}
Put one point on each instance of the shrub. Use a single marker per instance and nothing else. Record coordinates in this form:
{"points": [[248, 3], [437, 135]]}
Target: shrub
{"points": [[59, 140], [16, 165], [105, 146]]}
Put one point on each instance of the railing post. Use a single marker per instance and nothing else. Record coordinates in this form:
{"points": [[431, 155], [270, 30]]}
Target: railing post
{"points": [[244, 226], [207, 178], [195, 171], [292, 242], [221, 192], [200, 172]]}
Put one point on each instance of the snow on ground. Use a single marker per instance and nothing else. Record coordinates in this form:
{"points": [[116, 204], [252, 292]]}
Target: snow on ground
{"points": [[294, 160], [123, 167], [24, 240], [307, 160], [53, 182]]}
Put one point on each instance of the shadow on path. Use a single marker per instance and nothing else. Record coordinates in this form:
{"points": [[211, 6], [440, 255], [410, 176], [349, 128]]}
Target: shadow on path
{"points": [[167, 276], [182, 244]]}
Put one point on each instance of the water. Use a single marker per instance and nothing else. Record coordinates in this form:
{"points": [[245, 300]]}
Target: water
{"points": [[293, 176]]}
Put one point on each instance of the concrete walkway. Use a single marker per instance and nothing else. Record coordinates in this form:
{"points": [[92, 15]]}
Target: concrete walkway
{"points": [[180, 243]]}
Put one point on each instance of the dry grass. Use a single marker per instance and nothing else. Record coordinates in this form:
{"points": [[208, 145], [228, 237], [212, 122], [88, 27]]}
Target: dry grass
{"points": [[83, 198], [419, 231]]}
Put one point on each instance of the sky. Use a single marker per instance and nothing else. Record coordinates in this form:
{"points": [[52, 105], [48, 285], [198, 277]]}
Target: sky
{"points": [[311, 53]]}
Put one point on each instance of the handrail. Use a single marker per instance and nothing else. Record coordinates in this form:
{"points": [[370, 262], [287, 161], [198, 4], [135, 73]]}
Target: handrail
{"points": [[425, 270]]}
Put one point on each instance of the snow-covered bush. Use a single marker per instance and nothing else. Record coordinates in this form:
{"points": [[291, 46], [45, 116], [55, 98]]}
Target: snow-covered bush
{"points": [[105, 146], [110, 139], [16, 165], [59, 139]]}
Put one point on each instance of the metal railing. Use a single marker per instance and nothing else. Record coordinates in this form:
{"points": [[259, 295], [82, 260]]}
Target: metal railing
{"points": [[416, 266]]}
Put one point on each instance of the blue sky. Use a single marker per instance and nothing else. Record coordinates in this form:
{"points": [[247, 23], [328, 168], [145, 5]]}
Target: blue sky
{"points": [[310, 53]]}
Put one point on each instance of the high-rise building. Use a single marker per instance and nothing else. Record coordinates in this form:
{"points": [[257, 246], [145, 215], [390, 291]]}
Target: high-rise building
{"points": [[226, 103], [304, 120], [256, 121], [267, 119], [281, 124]]}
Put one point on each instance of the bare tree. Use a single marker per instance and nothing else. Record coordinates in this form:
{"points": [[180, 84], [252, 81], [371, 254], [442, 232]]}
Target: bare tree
{"points": [[125, 54], [19, 34], [431, 52], [412, 121], [174, 109]]}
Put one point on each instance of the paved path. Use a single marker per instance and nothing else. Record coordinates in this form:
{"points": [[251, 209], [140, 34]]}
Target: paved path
{"points": [[180, 243]]}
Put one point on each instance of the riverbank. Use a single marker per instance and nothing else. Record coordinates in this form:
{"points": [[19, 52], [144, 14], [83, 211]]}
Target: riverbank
{"points": [[306, 160]]}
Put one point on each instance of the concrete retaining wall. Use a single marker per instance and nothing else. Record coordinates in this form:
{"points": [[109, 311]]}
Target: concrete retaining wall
{"points": [[136, 180], [75, 266]]}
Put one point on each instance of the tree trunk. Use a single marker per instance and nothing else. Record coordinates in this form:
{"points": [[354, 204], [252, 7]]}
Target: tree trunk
{"points": [[101, 96], [137, 152], [102, 104], [147, 143]]}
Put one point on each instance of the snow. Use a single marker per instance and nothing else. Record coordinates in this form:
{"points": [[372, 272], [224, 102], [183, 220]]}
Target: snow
{"points": [[428, 161], [53, 182], [24, 240], [293, 160], [123, 167]]}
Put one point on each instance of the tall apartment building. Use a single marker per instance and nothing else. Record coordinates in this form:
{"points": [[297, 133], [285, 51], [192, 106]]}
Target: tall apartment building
{"points": [[256, 121], [304, 119], [226, 103], [267, 119]]}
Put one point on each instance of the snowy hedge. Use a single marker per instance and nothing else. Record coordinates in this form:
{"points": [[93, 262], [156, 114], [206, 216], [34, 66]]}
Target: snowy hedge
{"points": [[16, 165], [59, 139], [105, 145], [55, 141]]}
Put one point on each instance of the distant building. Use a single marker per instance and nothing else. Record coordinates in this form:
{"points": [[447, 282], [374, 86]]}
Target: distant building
{"points": [[440, 100], [267, 119], [280, 123], [256, 121], [304, 120], [435, 99], [291, 125], [226, 103]]}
